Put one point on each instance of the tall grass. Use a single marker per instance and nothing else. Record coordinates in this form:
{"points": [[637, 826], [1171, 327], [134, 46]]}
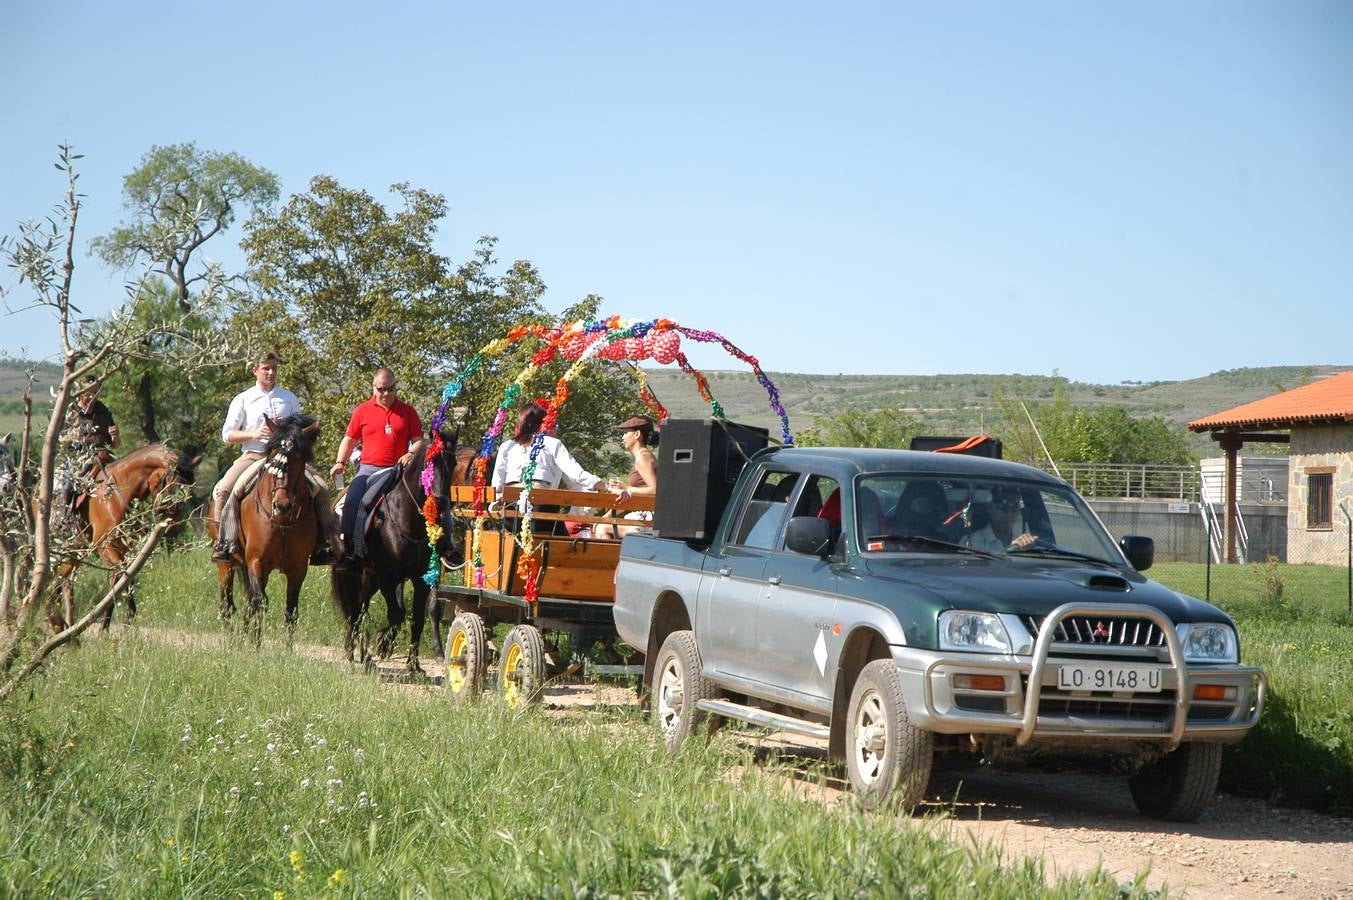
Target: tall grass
{"points": [[1302, 751], [143, 768]]}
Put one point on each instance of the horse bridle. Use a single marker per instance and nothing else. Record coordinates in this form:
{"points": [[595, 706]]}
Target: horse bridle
{"points": [[275, 466]]}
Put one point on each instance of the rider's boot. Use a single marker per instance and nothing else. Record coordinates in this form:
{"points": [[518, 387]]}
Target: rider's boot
{"points": [[227, 533], [345, 561]]}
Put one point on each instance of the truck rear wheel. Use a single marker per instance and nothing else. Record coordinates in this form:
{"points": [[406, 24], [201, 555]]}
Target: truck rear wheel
{"points": [[1178, 786], [678, 683], [888, 759]]}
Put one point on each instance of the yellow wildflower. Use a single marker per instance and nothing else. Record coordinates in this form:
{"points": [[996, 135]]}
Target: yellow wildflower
{"points": [[338, 877]]}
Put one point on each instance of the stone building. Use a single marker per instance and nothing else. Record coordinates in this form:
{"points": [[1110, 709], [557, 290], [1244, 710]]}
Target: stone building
{"points": [[1318, 421]]}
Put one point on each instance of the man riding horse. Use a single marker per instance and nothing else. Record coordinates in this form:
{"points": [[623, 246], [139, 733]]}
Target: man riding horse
{"points": [[89, 436], [247, 423], [390, 433]]}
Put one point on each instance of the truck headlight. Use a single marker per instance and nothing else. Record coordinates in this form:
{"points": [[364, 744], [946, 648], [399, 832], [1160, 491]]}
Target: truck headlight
{"points": [[1208, 642], [973, 631]]}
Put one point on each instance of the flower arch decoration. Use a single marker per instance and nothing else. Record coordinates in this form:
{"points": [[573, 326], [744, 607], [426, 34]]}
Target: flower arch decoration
{"points": [[581, 343]]}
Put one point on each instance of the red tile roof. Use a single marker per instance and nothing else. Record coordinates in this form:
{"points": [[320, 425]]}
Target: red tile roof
{"points": [[1327, 401]]}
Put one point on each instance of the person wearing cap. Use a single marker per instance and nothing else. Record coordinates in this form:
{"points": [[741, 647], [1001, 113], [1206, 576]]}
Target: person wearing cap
{"points": [[91, 424], [246, 426], [90, 436], [638, 438]]}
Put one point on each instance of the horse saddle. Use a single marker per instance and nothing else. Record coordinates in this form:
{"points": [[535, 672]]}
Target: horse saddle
{"points": [[377, 487]]}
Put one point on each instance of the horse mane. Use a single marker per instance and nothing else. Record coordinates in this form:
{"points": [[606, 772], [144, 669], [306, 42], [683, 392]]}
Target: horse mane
{"points": [[157, 455], [293, 427]]}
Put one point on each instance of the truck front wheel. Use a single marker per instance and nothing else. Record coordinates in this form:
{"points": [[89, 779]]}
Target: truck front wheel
{"points": [[678, 683], [888, 759], [1178, 786]]}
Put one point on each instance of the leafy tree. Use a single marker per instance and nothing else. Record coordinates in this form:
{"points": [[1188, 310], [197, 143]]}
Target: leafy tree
{"points": [[887, 427], [348, 285], [179, 198]]}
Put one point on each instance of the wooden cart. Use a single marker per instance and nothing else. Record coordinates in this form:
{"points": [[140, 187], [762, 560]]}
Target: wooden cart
{"points": [[576, 589]]}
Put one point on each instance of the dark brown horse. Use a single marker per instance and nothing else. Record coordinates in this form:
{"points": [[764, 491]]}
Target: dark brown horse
{"points": [[278, 530], [398, 551], [153, 472]]}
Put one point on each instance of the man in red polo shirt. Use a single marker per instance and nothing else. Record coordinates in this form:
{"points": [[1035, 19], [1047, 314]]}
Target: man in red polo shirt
{"points": [[389, 433]]}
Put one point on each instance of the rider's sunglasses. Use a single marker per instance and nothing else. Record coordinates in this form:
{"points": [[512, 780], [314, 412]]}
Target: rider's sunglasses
{"points": [[385, 390]]}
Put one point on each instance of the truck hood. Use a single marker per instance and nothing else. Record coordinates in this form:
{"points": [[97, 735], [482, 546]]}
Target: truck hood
{"points": [[1029, 586]]}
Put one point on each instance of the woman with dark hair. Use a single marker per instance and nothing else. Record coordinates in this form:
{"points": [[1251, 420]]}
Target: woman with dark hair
{"points": [[555, 466]]}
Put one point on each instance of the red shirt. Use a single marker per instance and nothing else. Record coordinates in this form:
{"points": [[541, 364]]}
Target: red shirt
{"points": [[385, 433]]}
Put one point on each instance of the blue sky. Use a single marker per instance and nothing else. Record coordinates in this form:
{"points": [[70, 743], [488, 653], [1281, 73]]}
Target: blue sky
{"points": [[1140, 190]]}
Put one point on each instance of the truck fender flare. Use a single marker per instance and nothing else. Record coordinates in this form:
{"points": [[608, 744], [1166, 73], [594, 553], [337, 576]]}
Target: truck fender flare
{"points": [[862, 646]]}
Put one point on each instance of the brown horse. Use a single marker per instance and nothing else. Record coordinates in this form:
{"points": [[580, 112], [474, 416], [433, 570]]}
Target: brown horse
{"points": [[278, 530], [153, 472], [398, 551]]}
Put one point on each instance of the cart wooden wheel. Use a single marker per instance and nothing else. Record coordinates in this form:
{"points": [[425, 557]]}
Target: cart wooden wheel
{"points": [[466, 658], [521, 669]]}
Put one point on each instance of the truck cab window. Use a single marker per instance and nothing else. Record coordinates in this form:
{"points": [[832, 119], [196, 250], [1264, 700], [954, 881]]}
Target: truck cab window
{"points": [[761, 522]]}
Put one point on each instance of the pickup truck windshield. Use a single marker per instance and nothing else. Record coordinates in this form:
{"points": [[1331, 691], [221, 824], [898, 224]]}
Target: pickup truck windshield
{"points": [[998, 517]]}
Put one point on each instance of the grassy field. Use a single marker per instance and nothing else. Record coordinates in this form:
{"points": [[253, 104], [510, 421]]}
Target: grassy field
{"points": [[1302, 752], [149, 769]]}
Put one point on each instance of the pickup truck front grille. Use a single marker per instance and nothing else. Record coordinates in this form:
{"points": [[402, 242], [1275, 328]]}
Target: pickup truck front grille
{"points": [[1101, 631]]}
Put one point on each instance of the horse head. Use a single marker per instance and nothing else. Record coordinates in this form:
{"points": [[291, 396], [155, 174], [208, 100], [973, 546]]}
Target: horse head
{"points": [[445, 472], [291, 444]]}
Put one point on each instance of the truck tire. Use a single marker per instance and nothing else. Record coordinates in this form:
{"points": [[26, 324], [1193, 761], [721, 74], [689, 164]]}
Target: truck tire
{"points": [[1178, 786], [521, 667], [466, 658], [678, 682], [888, 760]]}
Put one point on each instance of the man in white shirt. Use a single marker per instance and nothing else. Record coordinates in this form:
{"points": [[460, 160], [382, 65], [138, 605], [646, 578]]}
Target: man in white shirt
{"points": [[245, 425]]}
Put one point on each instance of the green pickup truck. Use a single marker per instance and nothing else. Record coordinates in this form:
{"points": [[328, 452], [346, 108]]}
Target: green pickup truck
{"points": [[898, 604]]}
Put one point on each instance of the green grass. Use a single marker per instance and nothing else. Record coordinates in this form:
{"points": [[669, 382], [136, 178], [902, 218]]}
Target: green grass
{"points": [[140, 768], [1302, 751]]}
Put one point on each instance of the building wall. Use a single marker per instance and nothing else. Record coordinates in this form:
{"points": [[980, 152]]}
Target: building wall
{"points": [[1178, 530], [1321, 447]]}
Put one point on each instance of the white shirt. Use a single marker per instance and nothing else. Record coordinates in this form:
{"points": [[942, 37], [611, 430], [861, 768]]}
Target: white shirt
{"points": [[248, 408], [554, 465]]}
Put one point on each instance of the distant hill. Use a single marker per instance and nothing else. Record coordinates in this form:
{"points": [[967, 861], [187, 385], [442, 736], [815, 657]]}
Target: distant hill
{"points": [[947, 404], [961, 404]]}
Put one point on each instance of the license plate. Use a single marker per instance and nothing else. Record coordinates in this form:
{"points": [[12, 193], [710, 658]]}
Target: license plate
{"points": [[1115, 677]]}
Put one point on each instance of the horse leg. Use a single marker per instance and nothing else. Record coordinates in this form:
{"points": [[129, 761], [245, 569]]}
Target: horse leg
{"points": [[344, 589], [295, 578], [394, 614], [416, 621], [225, 579], [258, 600], [113, 557]]}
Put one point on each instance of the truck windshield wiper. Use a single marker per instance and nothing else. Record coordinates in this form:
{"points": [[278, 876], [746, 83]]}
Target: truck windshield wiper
{"points": [[930, 542], [1043, 548]]}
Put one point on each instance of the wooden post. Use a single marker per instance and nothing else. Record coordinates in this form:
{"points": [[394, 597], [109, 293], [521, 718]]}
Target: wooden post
{"points": [[1231, 445]]}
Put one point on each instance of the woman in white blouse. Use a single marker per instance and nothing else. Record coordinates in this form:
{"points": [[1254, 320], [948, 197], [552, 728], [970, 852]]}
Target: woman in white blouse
{"points": [[555, 466]]}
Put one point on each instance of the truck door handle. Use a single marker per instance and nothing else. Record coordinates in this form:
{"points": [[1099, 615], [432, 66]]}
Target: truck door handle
{"points": [[725, 571], [774, 579]]}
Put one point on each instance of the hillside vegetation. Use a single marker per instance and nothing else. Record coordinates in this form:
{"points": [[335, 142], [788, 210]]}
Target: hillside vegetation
{"points": [[963, 404]]}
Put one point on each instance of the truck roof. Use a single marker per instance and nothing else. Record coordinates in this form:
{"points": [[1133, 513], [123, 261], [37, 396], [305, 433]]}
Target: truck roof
{"points": [[861, 460]]}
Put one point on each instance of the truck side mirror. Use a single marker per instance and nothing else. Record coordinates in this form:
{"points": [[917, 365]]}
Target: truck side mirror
{"points": [[810, 535], [1139, 550]]}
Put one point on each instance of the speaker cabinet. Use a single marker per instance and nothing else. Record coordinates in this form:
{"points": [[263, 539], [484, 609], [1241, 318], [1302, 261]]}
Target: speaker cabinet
{"points": [[983, 445], [699, 461]]}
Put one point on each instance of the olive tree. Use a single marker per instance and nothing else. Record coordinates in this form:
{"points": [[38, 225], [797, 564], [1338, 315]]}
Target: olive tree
{"points": [[33, 550]]}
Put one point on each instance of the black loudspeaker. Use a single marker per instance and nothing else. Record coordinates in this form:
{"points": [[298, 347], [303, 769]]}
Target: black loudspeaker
{"points": [[982, 445], [699, 461]]}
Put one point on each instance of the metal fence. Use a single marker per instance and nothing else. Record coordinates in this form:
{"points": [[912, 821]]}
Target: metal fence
{"points": [[1132, 480]]}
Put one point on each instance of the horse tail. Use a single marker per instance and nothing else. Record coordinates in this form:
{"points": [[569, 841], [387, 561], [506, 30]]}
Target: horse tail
{"points": [[345, 591]]}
